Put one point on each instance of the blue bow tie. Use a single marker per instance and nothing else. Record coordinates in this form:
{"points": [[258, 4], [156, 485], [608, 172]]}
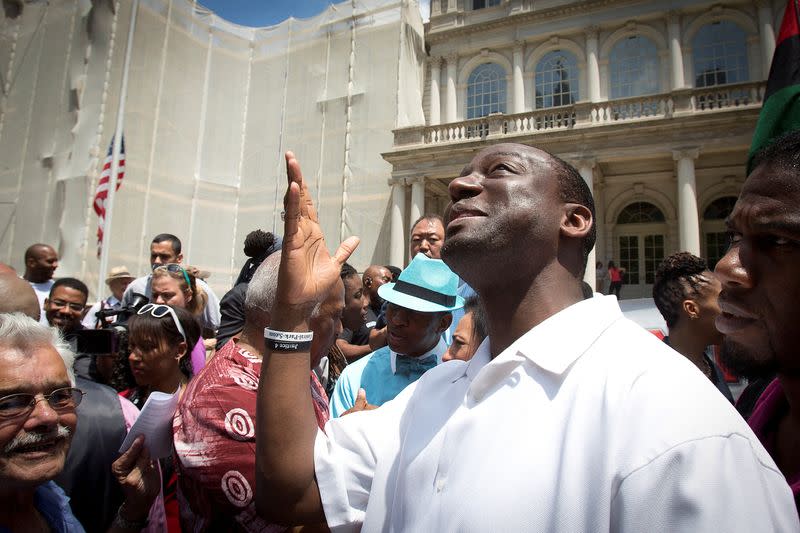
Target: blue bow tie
{"points": [[414, 366]]}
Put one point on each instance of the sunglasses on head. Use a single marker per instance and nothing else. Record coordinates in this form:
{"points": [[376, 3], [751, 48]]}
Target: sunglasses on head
{"points": [[175, 267], [159, 311]]}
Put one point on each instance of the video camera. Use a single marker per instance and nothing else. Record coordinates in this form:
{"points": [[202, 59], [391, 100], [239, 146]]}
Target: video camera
{"points": [[112, 338]]}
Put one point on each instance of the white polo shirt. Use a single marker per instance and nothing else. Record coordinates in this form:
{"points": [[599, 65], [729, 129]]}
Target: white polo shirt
{"points": [[585, 423]]}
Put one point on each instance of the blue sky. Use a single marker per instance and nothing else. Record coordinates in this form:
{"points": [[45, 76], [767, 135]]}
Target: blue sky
{"points": [[269, 12]]}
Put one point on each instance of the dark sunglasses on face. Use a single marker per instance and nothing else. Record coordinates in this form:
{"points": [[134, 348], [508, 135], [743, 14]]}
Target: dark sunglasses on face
{"points": [[60, 400]]}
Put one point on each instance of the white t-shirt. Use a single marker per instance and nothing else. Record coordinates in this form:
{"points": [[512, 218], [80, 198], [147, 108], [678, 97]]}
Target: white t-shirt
{"points": [[42, 291], [585, 423]]}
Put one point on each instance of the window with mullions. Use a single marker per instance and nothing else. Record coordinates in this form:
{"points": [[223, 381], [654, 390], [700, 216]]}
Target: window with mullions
{"points": [[719, 53], [556, 80], [486, 91], [480, 4], [634, 67], [640, 212]]}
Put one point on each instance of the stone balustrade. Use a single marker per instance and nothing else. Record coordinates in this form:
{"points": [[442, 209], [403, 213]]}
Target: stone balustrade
{"points": [[684, 102]]}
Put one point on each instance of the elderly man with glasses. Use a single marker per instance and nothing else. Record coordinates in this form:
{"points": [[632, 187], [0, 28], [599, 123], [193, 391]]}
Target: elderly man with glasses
{"points": [[38, 402]]}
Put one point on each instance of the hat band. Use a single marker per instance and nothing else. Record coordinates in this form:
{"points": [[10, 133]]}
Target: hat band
{"points": [[425, 294]]}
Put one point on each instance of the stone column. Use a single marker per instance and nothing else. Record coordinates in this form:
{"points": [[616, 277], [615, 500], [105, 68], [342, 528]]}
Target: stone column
{"points": [[675, 52], [397, 236], [417, 199], [592, 66], [434, 117], [688, 218], [601, 254], [518, 100], [586, 170], [767, 34], [451, 101]]}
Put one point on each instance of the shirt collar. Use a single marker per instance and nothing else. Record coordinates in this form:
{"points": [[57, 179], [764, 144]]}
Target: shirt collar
{"points": [[553, 346], [437, 350]]}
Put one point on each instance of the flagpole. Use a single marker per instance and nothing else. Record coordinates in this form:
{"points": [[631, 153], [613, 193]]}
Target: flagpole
{"points": [[112, 179]]}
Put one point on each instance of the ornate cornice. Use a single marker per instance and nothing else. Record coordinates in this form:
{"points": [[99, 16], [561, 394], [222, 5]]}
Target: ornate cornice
{"points": [[522, 17]]}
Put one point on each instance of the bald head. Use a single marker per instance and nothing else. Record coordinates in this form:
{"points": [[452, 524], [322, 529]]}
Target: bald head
{"points": [[41, 261], [7, 269], [16, 295]]}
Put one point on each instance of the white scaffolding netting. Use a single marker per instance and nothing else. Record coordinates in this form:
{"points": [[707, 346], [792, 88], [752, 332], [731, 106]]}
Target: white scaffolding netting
{"points": [[211, 108]]}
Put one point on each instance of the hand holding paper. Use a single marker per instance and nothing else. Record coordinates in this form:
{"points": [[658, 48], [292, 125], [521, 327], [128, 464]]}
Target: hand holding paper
{"points": [[155, 423]]}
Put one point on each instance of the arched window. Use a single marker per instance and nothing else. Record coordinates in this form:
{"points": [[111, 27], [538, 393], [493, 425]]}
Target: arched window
{"points": [[486, 91], [640, 248], [634, 67], [720, 208], [719, 52], [640, 212], [556, 79]]}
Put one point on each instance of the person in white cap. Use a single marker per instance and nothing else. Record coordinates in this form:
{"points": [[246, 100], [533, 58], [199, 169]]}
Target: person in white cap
{"points": [[118, 280]]}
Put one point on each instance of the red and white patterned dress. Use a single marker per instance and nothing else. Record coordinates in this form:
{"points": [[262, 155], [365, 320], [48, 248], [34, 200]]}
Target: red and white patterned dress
{"points": [[215, 443]]}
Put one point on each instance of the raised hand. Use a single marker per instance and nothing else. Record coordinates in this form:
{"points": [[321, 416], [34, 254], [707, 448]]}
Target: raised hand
{"points": [[307, 270]]}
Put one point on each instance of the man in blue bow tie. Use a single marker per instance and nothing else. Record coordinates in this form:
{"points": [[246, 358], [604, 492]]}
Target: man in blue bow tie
{"points": [[417, 314]]}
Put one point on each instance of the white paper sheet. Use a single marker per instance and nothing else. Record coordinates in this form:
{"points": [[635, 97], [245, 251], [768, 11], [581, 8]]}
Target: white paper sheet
{"points": [[155, 423]]}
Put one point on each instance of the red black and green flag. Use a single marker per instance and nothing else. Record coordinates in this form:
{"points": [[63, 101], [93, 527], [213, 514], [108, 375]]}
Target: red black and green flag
{"points": [[780, 112]]}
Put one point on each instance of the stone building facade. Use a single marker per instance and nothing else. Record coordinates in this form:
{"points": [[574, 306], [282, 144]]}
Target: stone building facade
{"points": [[653, 102]]}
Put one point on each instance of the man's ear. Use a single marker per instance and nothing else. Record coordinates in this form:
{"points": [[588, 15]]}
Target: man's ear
{"points": [[444, 322], [179, 258], [691, 309], [576, 222]]}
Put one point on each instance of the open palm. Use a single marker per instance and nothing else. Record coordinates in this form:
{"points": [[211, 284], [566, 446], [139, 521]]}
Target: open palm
{"points": [[307, 272]]}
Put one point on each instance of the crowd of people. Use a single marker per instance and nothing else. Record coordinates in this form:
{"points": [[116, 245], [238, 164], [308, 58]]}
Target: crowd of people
{"points": [[483, 387]]}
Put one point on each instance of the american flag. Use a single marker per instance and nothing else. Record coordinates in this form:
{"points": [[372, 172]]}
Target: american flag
{"points": [[101, 194]]}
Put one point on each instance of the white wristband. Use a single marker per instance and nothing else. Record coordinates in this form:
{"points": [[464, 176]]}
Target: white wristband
{"points": [[288, 336]]}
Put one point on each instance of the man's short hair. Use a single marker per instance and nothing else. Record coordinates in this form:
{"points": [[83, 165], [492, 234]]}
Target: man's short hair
{"points": [[394, 270], [260, 295], [783, 153], [23, 333], [574, 190], [428, 216], [174, 241], [72, 283], [678, 277], [30, 252]]}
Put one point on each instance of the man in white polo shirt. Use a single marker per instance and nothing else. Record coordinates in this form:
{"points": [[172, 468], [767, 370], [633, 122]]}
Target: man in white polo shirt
{"points": [[568, 418]]}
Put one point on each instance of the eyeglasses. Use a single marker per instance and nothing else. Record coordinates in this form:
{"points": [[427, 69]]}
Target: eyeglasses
{"points": [[175, 267], [60, 400], [159, 311], [72, 306]]}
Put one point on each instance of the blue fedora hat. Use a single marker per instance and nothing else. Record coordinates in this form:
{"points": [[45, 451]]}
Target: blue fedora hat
{"points": [[426, 285]]}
